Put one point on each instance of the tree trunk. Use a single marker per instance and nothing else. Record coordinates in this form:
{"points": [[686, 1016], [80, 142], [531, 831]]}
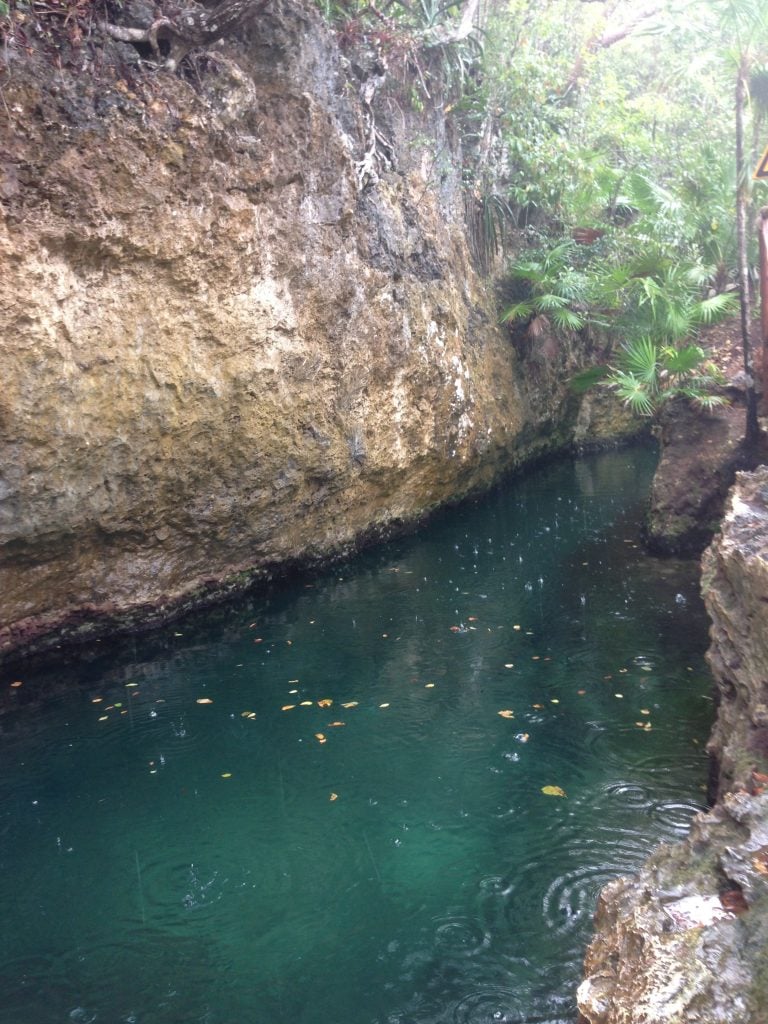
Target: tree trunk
{"points": [[752, 429], [763, 235]]}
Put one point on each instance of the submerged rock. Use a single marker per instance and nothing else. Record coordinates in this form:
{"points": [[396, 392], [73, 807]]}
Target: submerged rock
{"points": [[686, 940]]}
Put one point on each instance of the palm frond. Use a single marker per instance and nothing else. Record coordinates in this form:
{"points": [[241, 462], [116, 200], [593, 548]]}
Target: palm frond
{"points": [[714, 308], [518, 311], [639, 359], [567, 320], [632, 392], [680, 361]]}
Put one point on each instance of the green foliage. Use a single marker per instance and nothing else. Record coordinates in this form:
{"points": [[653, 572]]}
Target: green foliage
{"points": [[557, 292], [646, 375]]}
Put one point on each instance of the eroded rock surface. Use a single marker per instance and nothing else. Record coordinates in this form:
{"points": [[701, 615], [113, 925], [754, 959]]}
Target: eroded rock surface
{"points": [[700, 455], [686, 941], [222, 351]]}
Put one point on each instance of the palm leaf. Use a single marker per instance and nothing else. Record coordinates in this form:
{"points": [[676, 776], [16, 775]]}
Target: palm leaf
{"points": [[714, 308], [519, 311], [583, 381], [639, 359], [567, 320], [681, 361], [633, 392]]}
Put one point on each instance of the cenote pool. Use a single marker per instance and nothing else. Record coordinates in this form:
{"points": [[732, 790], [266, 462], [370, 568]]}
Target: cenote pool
{"points": [[309, 809]]}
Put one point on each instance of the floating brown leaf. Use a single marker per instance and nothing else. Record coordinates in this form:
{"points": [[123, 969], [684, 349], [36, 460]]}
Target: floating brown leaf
{"points": [[320, 737], [333, 796], [200, 700], [552, 791], [324, 703], [507, 713], [350, 704], [287, 707]]}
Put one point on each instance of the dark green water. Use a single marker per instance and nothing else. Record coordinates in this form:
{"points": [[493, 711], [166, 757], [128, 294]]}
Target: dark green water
{"points": [[441, 886]]}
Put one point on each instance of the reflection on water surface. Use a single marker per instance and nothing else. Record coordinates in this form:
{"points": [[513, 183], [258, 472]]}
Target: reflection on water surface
{"points": [[347, 831]]}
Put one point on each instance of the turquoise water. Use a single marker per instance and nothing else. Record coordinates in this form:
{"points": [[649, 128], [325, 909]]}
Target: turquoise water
{"points": [[165, 861]]}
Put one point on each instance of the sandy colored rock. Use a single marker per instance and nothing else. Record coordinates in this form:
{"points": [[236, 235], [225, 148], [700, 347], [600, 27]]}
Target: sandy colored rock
{"points": [[220, 357]]}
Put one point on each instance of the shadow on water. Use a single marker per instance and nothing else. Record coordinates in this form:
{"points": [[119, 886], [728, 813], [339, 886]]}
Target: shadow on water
{"points": [[307, 807]]}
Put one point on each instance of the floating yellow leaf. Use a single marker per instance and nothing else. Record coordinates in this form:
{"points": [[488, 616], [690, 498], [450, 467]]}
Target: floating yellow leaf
{"points": [[306, 704], [536, 657], [350, 704], [507, 713], [324, 703], [383, 705], [647, 727], [96, 700], [200, 700], [335, 725], [581, 692], [17, 684], [333, 796], [428, 686], [287, 707], [320, 737], [517, 627], [645, 711], [509, 665], [246, 714], [226, 775], [104, 718], [471, 618], [552, 791], [538, 707], [131, 684], [554, 700], [293, 691], [619, 695]]}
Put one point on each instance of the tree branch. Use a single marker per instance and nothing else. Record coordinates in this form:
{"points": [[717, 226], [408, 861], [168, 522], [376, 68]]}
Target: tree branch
{"points": [[191, 29]]}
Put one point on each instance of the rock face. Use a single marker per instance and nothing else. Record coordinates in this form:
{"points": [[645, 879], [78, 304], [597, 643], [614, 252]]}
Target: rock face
{"points": [[700, 454], [223, 351], [686, 942]]}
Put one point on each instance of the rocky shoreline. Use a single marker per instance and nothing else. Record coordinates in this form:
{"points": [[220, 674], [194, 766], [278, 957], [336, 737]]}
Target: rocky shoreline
{"points": [[686, 941]]}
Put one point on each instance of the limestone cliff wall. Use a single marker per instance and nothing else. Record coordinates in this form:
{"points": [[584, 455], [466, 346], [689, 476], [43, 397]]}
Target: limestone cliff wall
{"points": [[686, 942], [220, 353]]}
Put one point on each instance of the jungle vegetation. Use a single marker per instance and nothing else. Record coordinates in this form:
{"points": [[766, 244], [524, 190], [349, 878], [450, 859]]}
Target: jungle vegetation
{"points": [[607, 148]]}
